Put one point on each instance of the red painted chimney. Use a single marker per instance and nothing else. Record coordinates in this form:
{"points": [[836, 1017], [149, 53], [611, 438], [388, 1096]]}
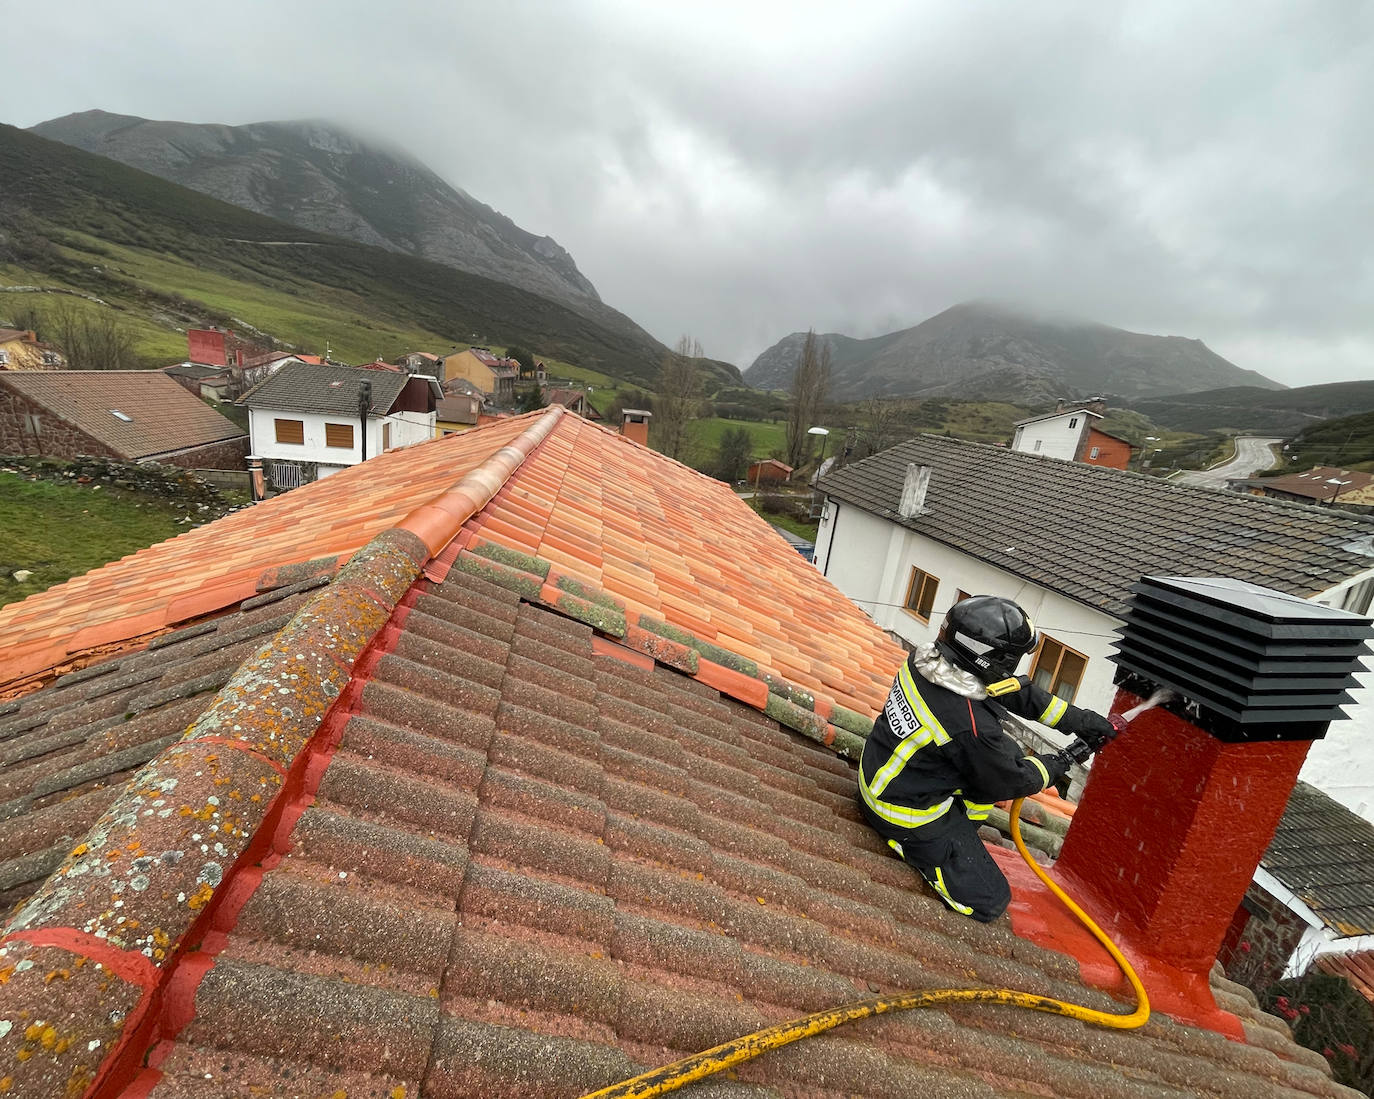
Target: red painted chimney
{"points": [[1178, 809], [635, 425]]}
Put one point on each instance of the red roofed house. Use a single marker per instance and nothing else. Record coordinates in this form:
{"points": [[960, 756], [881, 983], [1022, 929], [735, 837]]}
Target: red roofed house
{"points": [[490, 373], [1070, 434], [130, 415], [489, 768]]}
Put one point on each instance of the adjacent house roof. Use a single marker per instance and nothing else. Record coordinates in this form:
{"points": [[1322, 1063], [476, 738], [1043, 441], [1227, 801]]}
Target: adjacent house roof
{"points": [[1321, 483], [326, 389], [1089, 532], [138, 414], [1324, 854], [198, 371], [503, 808], [8, 334]]}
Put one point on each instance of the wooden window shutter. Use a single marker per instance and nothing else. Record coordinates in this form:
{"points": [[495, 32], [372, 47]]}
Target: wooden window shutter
{"points": [[290, 431], [339, 435]]}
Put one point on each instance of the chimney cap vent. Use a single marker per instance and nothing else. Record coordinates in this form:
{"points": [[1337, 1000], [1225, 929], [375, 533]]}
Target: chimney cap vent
{"points": [[1259, 664]]}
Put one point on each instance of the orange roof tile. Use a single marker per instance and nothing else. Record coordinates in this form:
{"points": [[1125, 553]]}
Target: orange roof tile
{"points": [[213, 567]]}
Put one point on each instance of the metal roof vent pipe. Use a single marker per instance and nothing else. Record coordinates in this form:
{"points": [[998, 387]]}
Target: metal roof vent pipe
{"points": [[1179, 809], [913, 502]]}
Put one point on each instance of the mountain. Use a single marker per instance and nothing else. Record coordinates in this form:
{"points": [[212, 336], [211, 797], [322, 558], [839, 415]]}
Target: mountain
{"points": [[320, 177], [168, 257], [992, 352], [1250, 408]]}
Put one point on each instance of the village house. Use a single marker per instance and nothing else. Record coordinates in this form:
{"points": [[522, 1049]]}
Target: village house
{"points": [[308, 422], [1070, 434], [489, 768], [1324, 485], [129, 415], [768, 471], [420, 362], [1312, 899], [908, 532], [492, 374], [574, 400], [460, 408], [20, 349]]}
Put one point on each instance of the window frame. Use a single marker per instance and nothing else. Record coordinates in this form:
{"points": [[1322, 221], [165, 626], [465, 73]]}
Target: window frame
{"points": [[1095, 452], [920, 593], [331, 430], [278, 421], [1056, 677]]}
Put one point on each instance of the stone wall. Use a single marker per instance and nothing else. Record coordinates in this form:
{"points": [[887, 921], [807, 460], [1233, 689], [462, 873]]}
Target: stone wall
{"points": [[153, 478], [55, 438], [226, 454], [1258, 948]]}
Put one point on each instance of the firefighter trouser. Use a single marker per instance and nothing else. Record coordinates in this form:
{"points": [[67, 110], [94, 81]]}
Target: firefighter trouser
{"points": [[948, 854]]}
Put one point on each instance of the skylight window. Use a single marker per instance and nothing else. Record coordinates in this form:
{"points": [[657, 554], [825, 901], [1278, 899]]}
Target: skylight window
{"points": [[121, 416]]}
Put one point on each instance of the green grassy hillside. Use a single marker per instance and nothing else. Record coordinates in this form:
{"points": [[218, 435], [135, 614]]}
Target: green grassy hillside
{"points": [[1347, 442], [1251, 409], [167, 257]]}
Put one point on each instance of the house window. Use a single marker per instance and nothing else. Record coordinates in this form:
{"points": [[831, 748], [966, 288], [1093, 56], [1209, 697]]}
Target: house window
{"points": [[960, 595], [1037, 445], [4, 358], [290, 431], [1094, 452], [386, 436], [1073, 423], [1058, 669], [920, 594], [51, 358], [338, 435]]}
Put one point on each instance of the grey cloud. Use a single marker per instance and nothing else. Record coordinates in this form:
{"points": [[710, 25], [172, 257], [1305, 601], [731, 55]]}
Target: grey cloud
{"points": [[741, 171]]}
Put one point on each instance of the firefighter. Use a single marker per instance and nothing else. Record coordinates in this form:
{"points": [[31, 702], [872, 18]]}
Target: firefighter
{"points": [[937, 757]]}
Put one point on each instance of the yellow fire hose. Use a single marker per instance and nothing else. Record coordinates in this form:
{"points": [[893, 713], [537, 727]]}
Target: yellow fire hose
{"points": [[671, 1077]]}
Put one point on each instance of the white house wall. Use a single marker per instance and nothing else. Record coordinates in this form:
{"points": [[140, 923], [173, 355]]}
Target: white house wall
{"points": [[870, 560], [1056, 438], [406, 428]]}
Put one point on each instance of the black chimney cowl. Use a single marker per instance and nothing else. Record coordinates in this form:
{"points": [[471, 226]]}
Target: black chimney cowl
{"points": [[1252, 663]]}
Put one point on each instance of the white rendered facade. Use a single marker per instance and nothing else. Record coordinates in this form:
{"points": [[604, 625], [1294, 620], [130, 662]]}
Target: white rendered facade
{"points": [[870, 559], [397, 429], [1052, 436]]}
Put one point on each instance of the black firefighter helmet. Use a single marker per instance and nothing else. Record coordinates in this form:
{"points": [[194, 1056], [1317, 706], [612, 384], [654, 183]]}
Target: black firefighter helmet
{"points": [[987, 635]]}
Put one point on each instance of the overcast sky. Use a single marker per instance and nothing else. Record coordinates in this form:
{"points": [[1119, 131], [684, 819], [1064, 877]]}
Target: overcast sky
{"points": [[738, 171]]}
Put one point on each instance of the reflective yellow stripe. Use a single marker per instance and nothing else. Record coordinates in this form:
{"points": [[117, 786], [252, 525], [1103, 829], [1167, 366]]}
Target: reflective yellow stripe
{"points": [[903, 815], [1053, 712], [917, 703], [977, 810], [929, 731], [939, 884], [898, 848], [1044, 774], [904, 751]]}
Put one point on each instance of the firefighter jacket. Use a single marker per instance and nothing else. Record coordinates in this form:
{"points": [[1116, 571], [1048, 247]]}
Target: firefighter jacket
{"points": [[931, 745]]}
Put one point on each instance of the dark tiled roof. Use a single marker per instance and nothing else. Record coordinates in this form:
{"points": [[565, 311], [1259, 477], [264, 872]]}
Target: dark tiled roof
{"points": [[1090, 532], [327, 389], [1324, 853], [162, 416], [468, 825]]}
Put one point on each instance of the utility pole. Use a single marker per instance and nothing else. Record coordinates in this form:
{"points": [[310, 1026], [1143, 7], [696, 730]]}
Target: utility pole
{"points": [[364, 407]]}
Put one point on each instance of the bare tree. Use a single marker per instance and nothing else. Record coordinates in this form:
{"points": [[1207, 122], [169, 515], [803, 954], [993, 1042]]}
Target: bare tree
{"points": [[810, 386], [679, 397], [91, 339], [881, 425]]}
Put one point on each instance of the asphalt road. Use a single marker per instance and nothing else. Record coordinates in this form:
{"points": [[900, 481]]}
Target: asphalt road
{"points": [[1252, 455]]}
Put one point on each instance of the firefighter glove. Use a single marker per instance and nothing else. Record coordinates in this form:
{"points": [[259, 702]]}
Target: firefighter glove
{"points": [[1097, 731]]}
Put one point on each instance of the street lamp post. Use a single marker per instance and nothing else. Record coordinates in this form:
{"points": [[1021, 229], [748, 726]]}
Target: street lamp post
{"points": [[824, 433]]}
